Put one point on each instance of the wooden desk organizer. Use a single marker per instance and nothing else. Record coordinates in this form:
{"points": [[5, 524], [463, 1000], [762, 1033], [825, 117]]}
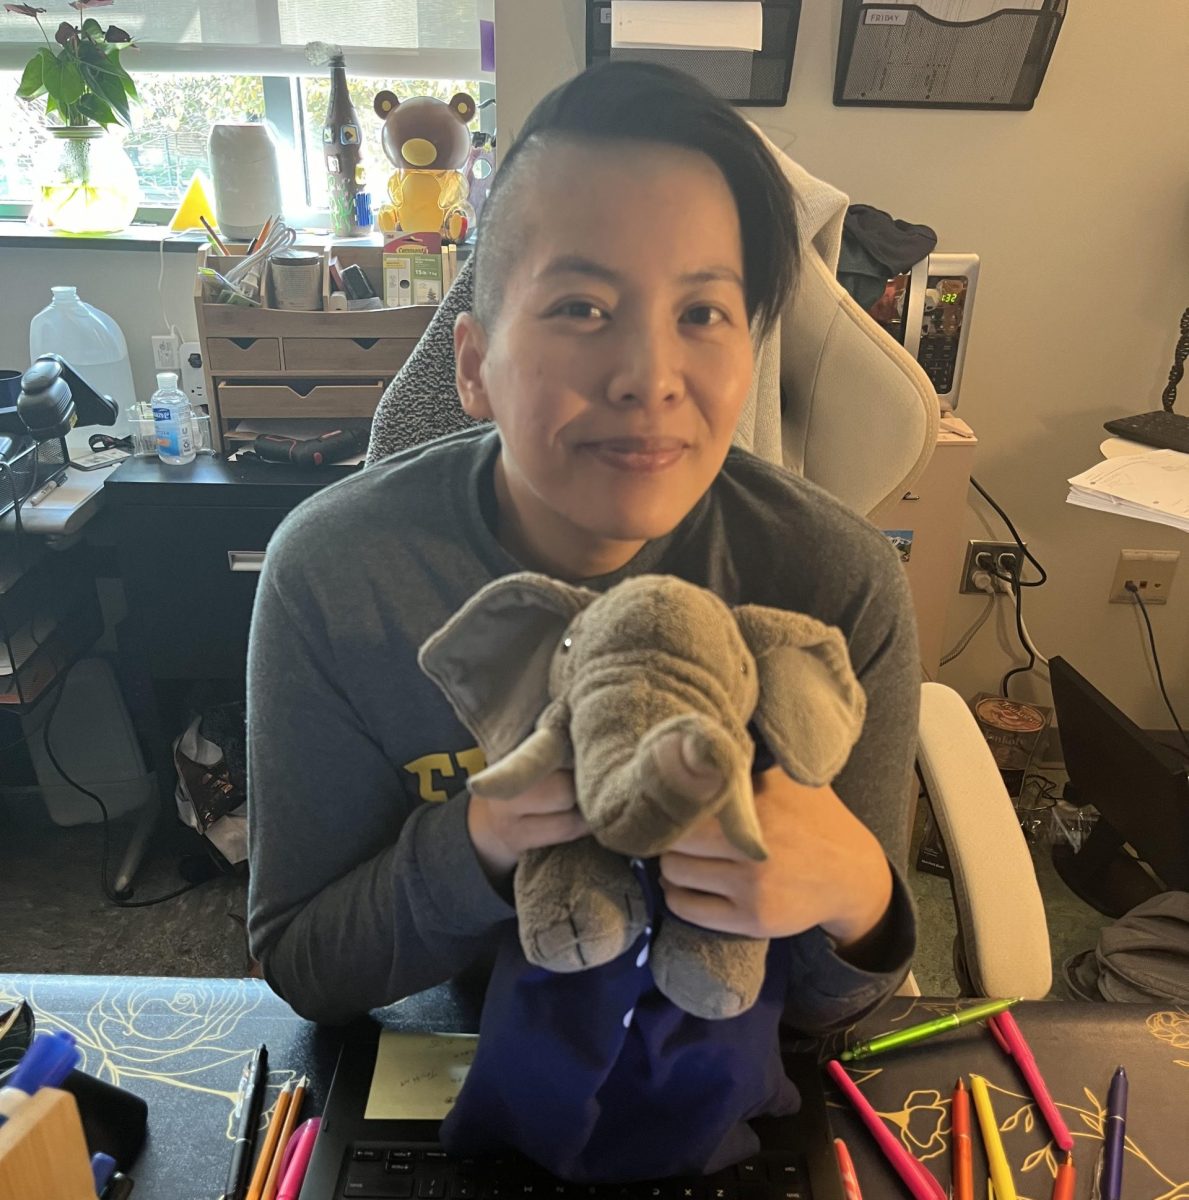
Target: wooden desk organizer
{"points": [[262, 363], [43, 1155]]}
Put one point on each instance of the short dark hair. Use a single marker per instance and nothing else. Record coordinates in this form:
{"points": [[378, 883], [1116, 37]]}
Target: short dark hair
{"points": [[639, 101]]}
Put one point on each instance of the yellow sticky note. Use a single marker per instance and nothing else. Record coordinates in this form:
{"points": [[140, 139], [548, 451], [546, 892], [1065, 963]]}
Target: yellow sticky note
{"points": [[417, 1076]]}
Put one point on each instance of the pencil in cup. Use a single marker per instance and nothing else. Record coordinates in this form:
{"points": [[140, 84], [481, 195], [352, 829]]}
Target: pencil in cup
{"points": [[1001, 1176], [268, 1147], [273, 1181]]}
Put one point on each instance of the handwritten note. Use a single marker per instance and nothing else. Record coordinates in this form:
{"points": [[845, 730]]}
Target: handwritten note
{"points": [[418, 1075]]}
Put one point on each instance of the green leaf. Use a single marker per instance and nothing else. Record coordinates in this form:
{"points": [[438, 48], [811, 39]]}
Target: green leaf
{"points": [[113, 59], [97, 109], [51, 106], [32, 81], [70, 84], [92, 29], [110, 88], [51, 75]]}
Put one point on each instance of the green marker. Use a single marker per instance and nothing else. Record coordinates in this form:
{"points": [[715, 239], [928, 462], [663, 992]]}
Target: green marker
{"points": [[917, 1033]]}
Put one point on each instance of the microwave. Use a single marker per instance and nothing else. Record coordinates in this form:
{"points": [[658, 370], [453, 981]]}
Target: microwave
{"points": [[928, 311]]}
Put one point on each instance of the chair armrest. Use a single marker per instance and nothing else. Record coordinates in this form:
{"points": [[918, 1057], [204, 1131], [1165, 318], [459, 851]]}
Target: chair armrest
{"points": [[1000, 911]]}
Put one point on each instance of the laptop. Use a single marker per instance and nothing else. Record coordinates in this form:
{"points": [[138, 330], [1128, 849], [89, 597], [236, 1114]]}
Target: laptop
{"points": [[373, 1159]]}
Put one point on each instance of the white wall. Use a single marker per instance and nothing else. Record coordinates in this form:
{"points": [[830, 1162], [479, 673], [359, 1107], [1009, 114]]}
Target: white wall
{"points": [[1080, 212], [123, 283]]}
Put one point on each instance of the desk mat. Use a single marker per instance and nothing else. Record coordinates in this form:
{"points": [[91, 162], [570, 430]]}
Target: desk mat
{"points": [[182, 1044], [1077, 1048]]}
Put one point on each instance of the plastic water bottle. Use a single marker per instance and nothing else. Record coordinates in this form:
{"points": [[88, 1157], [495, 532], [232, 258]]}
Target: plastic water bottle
{"points": [[173, 415], [92, 343]]}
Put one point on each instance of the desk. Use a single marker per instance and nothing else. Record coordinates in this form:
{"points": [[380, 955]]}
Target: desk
{"points": [[182, 1043], [190, 541]]}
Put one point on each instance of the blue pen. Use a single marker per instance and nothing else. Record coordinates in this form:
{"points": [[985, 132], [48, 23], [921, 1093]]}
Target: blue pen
{"points": [[103, 1167], [1116, 1131], [46, 1063]]}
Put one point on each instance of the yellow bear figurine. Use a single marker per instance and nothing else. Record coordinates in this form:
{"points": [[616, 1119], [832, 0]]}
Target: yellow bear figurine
{"points": [[427, 142]]}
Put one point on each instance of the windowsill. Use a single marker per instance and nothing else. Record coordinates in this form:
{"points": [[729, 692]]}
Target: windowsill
{"points": [[19, 235], [16, 233]]}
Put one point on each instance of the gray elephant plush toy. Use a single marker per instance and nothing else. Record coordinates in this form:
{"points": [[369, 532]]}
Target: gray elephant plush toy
{"points": [[646, 692]]}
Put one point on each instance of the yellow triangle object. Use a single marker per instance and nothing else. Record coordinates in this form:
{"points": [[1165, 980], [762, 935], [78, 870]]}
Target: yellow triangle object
{"points": [[195, 203]]}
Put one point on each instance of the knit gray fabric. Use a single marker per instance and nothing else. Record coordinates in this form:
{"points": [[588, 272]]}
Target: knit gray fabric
{"points": [[422, 403]]}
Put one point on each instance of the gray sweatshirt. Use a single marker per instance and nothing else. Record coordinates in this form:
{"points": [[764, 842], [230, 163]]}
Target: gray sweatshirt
{"points": [[365, 887]]}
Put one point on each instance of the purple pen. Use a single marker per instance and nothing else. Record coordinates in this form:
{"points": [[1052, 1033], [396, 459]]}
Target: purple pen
{"points": [[1113, 1141]]}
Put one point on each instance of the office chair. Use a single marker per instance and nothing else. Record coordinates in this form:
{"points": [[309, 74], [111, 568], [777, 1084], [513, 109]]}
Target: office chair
{"points": [[840, 402]]}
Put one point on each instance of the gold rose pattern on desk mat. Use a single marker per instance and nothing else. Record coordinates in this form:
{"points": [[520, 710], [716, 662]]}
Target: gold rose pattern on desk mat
{"points": [[184, 1039], [921, 1119]]}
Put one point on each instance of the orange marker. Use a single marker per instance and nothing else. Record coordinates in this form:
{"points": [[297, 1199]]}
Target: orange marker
{"points": [[1066, 1179], [850, 1181]]}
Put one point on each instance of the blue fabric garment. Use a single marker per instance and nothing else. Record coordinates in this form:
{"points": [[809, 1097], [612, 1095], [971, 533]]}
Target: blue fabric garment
{"points": [[597, 1077]]}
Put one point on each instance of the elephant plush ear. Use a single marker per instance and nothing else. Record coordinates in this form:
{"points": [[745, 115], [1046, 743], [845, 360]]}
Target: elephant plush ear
{"points": [[811, 705], [491, 659]]}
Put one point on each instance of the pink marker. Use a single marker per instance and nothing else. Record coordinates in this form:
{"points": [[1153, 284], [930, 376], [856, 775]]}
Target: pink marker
{"points": [[1007, 1033], [917, 1177], [296, 1160]]}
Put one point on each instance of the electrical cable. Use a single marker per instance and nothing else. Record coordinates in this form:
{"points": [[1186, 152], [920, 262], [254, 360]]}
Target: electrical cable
{"points": [[111, 895], [982, 491], [1169, 396], [1016, 595], [968, 636], [1143, 608]]}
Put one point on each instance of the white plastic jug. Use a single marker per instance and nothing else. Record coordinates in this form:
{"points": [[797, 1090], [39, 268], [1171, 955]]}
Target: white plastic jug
{"points": [[91, 342]]}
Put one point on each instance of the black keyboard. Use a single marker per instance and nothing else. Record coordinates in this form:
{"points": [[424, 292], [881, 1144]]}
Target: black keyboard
{"points": [[1165, 430], [410, 1171]]}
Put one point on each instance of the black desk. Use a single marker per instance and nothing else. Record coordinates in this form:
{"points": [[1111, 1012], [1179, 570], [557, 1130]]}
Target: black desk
{"points": [[182, 1043], [190, 540]]}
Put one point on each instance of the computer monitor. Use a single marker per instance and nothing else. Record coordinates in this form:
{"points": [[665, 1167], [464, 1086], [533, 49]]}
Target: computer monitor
{"points": [[1140, 789]]}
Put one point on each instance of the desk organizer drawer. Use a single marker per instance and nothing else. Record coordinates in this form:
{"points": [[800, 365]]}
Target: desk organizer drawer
{"points": [[327, 355], [243, 354], [286, 400]]}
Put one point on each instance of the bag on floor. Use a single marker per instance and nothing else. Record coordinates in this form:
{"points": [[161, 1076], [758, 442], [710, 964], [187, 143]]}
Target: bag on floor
{"points": [[211, 793], [1143, 956]]}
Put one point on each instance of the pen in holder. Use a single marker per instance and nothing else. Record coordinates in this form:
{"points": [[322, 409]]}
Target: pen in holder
{"points": [[43, 1152]]}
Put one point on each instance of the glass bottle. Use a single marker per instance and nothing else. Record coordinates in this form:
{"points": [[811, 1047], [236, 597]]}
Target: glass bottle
{"points": [[342, 149]]}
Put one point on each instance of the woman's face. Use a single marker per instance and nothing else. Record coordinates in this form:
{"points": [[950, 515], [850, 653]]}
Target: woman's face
{"points": [[620, 357]]}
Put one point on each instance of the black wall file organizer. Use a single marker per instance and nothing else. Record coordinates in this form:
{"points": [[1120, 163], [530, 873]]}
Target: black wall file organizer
{"points": [[753, 78], [903, 56]]}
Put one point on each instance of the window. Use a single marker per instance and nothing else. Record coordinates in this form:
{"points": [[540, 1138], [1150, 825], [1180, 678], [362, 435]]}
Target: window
{"points": [[168, 140], [315, 98], [198, 63]]}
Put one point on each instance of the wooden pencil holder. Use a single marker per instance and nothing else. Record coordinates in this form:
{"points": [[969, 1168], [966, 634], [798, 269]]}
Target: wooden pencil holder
{"points": [[43, 1155]]}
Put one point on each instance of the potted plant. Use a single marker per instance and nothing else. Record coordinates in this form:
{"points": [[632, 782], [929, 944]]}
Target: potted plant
{"points": [[86, 182]]}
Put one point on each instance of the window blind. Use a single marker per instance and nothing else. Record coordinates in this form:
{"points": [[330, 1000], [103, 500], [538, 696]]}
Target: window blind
{"points": [[426, 39]]}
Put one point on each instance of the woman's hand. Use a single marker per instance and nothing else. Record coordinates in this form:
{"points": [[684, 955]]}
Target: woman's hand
{"points": [[543, 815], [824, 867]]}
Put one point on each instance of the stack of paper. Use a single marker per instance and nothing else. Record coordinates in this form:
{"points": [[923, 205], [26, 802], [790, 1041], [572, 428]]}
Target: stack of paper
{"points": [[1152, 486]]}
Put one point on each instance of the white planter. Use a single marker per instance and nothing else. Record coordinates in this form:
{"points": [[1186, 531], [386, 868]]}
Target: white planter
{"points": [[246, 175]]}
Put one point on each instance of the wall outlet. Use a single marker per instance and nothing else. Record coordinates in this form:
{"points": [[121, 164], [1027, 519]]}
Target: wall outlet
{"points": [[1150, 570], [991, 557], [165, 352], [193, 381]]}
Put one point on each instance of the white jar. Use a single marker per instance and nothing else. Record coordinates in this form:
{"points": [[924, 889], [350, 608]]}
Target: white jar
{"points": [[246, 175]]}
